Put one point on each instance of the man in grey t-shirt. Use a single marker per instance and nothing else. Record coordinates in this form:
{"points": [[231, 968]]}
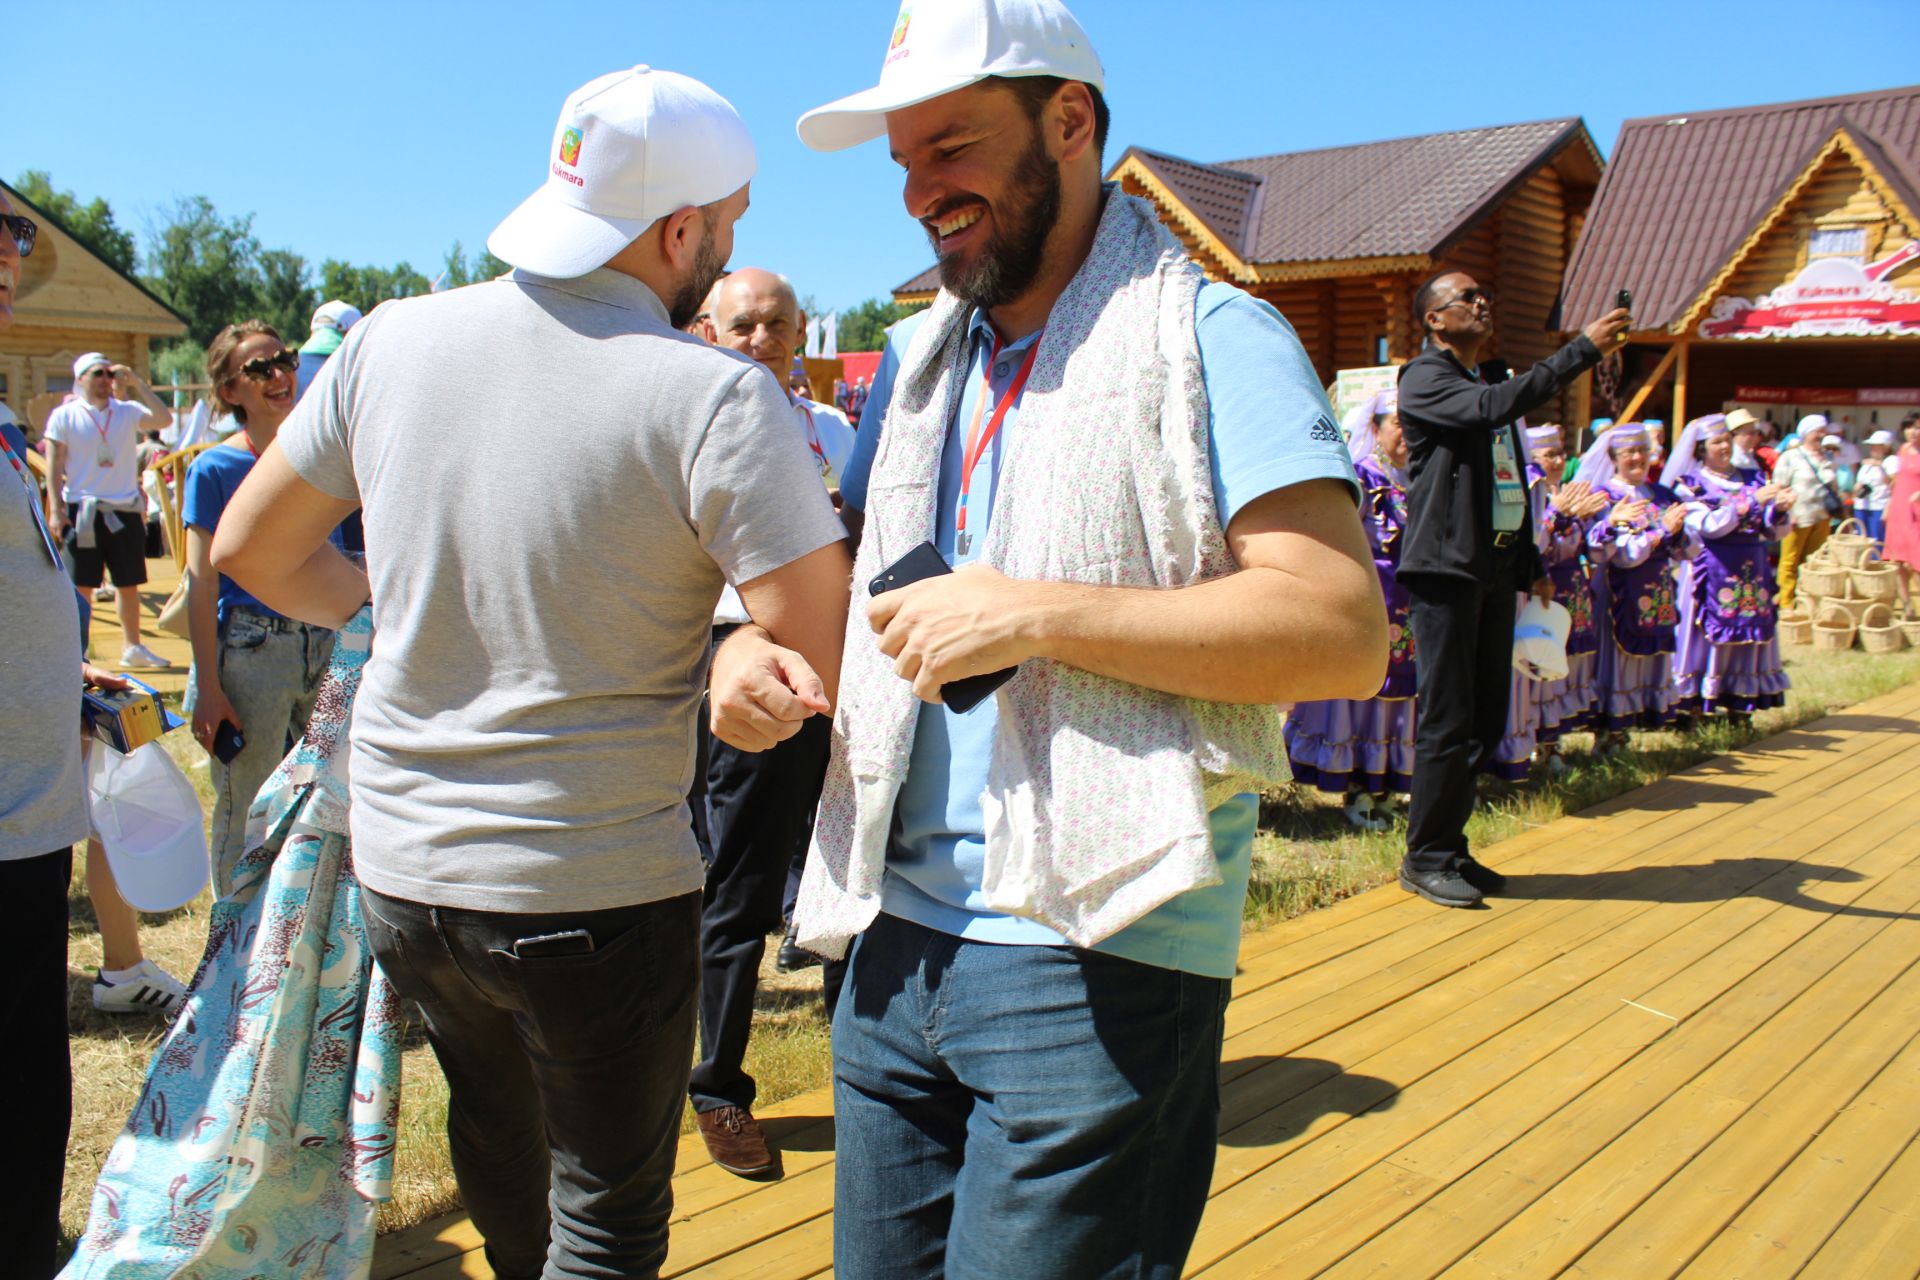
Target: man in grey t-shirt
{"points": [[555, 484]]}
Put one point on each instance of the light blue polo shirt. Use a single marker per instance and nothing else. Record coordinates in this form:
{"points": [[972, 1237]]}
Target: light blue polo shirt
{"points": [[1271, 428]]}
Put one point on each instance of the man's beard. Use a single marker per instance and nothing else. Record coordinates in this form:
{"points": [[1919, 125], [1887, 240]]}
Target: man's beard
{"points": [[1010, 262], [708, 266]]}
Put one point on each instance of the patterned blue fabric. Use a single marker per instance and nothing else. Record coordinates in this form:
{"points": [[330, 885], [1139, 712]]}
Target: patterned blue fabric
{"points": [[265, 1135]]}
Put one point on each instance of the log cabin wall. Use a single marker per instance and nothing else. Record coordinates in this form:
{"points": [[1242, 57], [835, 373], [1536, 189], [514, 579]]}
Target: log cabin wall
{"points": [[1839, 195]]}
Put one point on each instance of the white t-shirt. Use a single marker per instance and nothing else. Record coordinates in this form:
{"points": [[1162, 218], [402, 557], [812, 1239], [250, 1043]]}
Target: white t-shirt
{"points": [[102, 449], [820, 425], [1873, 479]]}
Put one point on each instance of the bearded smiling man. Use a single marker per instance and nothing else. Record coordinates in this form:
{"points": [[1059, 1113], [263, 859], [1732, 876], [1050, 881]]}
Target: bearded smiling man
{"points": [[523, 738], [1151, 514]]}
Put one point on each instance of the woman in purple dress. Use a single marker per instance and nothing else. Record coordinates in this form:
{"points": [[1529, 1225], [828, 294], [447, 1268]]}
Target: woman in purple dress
{"points": [[1633, 549], [1562, 511], [1363, 750], [1728, 660]]}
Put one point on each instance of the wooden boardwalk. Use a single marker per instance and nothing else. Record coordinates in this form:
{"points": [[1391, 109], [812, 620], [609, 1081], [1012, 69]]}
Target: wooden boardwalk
{"points": [[1685, 1043], [105, 640]]}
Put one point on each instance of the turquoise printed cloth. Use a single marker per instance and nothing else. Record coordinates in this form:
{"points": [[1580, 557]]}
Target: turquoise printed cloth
{"points": [[264, 1137]]}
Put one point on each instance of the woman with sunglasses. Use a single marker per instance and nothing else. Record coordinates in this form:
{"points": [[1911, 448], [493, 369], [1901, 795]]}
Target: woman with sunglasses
{"points": [[255, 673]]}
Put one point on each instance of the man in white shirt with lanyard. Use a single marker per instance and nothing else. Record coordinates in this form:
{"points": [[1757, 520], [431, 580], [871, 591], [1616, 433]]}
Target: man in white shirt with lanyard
{"points": [[757, 803], [94, 486]]}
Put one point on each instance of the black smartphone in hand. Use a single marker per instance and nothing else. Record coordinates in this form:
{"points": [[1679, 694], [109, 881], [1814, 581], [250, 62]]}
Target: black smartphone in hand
{"points": [[925, 561], [1624, 300], [227, 742]]}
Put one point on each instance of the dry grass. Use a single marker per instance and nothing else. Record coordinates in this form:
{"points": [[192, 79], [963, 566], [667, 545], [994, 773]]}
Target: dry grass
{"points": [[1306, 857]]}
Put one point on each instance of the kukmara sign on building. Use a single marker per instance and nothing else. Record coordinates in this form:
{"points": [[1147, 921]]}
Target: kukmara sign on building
{"points": [[1830, 298]]}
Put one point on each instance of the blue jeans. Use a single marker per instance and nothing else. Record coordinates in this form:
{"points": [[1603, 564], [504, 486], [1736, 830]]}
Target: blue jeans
{"points": [[270, 670], [1874, 524], [1041, 1112]]}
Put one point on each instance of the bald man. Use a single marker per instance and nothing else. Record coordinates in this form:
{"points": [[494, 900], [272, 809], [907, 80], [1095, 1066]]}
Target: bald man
{"points": [[758, 804]]}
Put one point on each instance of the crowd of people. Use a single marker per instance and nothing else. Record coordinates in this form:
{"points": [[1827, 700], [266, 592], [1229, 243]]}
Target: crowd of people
{"points": [[548, 794]]}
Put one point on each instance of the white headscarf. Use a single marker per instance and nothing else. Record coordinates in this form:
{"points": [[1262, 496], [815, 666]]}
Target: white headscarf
{"points": [[1682, 463], [1362, 424], [1596, 464]]}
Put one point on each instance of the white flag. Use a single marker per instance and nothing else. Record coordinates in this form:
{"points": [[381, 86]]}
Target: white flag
{"points": [[830, 344]]}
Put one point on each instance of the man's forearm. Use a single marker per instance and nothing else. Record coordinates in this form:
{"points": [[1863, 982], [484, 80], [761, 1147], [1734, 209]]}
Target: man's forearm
{"points": [[1261, 635]]}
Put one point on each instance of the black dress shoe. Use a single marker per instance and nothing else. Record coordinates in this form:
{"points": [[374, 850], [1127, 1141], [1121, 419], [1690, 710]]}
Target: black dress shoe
{"points": [[1483, 878], [792, 957], [1446, 888]]}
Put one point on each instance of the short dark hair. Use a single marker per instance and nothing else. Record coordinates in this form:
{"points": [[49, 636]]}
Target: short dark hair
{"points": [[1035, 92], [1424, 298]]}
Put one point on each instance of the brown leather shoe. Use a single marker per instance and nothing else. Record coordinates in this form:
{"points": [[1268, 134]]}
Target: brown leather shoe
{"points": [[737, 1143]]}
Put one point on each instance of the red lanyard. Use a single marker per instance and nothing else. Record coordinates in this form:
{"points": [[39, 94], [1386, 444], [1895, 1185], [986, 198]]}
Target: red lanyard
{"points": [[101, 427], [978, 440], [813, 435]]}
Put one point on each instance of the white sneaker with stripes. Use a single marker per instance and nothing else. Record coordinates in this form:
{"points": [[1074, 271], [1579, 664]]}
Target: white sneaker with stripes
{"points": [[145, 988]]}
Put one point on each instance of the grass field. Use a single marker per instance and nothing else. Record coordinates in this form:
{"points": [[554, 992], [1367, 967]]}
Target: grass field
{"points": [[1305, 858]]}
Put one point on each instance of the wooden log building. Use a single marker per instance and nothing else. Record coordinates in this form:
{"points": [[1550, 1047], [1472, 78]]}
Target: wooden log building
{"points": [[1339, 239], [67, 302], [1774, 257]]}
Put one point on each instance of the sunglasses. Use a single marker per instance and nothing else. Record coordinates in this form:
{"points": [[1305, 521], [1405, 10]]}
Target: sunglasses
{"points": [[23, 230], [262, 368], [1472, 298]]}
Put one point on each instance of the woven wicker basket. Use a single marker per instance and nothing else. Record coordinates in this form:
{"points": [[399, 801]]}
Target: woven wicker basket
{"points": [[1795, 625], [1911, 627], [1849, 545], [1821, 576], [1875, 580], [1833, 628], [1855, 605], [1879, 633]]}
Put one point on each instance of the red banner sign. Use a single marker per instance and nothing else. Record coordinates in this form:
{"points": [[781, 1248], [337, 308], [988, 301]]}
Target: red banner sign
{"points": [[1827, 395], [1830, 298]]}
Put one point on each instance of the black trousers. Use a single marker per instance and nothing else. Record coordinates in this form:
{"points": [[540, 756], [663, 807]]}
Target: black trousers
{"points": [[567, 1073], [36, 1076], [1463, 651], [759, 811]]}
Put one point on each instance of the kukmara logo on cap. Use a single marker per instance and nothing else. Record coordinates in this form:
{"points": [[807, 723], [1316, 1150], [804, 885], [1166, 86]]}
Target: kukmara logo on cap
{"points": [[570, 147], [900, 27]]}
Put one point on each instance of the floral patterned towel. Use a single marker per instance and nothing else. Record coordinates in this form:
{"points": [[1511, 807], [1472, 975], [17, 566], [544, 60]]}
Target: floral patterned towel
{"points": [[265, 1134]]}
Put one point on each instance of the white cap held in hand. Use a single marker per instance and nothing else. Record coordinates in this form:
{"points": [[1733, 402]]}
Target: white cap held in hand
{"points": [[629, 149], [939, 46]]}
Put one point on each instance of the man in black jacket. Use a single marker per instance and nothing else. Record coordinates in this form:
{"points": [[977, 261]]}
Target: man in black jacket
{"points": [[1468, 551]]}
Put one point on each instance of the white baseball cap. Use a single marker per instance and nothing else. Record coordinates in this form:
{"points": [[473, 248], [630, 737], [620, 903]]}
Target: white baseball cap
{"points": [[1882, 436], [939, 46], [630, 148], [336, 315], [1810, 422], [89, 361]]}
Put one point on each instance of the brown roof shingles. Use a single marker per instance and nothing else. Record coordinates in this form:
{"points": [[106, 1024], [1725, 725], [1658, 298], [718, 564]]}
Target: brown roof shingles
{"points": [[1683, 191], [1402, 197]]}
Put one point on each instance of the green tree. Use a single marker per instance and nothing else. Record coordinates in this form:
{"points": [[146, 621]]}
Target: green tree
{"points": [[459, 271], [366, 287], [91, 223], [182, 358], [864, 328], [204, 266], [286, 299]]}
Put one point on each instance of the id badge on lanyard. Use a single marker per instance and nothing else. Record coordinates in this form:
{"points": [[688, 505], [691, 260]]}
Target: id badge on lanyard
{"points": [[104, 454], [1509, 487]]}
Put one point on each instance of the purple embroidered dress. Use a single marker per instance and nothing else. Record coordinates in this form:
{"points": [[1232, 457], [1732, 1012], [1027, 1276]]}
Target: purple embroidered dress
{"points": [[1567, 706], [1339, 745], [1637, 612], [1728, 659]]}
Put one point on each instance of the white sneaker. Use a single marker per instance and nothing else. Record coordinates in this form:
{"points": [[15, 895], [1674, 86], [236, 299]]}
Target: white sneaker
{"points": [[105, 595], [138, 655], [1360, 813], [147, 988]]}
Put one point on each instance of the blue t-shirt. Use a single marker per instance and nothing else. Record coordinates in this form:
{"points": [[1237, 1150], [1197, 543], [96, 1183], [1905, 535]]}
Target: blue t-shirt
{"points": [[211, 482], [1271, 428]]}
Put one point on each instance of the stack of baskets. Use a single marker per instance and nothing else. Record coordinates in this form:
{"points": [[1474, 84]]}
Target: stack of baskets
{"points": [[1848, 592]]}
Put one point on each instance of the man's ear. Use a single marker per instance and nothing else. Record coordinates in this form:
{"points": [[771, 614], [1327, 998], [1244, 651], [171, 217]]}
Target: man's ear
{"points": [[1070, 118], [680, 237]]}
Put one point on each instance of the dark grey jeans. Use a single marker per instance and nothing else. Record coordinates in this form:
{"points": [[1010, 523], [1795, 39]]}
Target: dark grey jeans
{"points": [[567, 1073]]}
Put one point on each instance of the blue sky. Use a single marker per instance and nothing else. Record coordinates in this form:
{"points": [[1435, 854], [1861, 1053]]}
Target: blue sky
{"points": [[382, 132]]}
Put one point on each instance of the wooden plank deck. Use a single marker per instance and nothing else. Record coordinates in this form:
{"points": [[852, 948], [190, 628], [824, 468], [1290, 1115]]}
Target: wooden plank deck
{"points": [[1683, 1044], [105, 641]]}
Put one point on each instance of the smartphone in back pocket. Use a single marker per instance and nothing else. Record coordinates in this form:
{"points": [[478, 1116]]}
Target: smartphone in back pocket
{"points": [[925, 561]]}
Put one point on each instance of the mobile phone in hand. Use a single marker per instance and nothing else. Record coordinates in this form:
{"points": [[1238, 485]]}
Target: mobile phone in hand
{"points": [[227, 742], [925, 561], [1624, 300]]}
